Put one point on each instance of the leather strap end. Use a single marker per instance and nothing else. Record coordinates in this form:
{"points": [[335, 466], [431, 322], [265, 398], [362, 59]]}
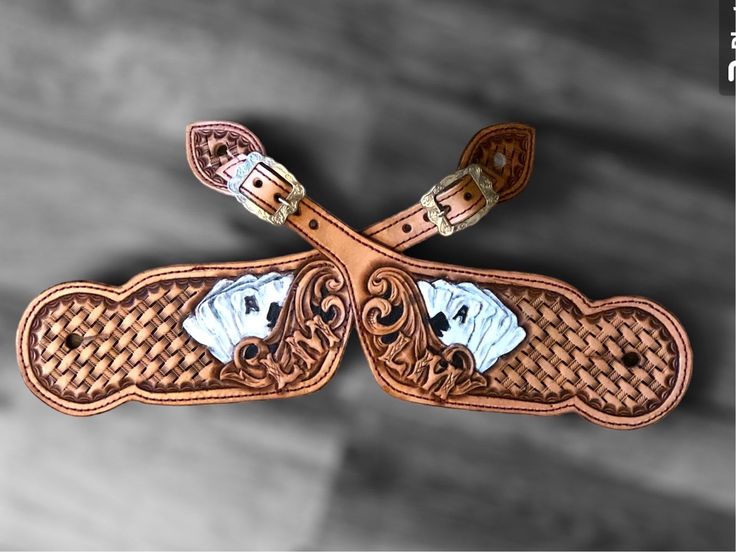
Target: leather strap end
{"points": [[505, 151], [212, 144]]}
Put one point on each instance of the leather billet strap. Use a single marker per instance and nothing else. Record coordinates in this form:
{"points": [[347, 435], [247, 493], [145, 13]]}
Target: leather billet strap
{"points": [[515, 342], [504, 151], [84, 348]]}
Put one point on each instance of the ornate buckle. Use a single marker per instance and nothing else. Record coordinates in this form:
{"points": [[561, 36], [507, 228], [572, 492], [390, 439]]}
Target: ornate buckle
{"points": [[436, 214], [288, 205]]}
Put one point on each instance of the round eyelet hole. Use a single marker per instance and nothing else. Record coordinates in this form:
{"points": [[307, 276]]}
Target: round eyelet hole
{"points": [[220, 150], [73, 341], [277, 197], [257, 183], [468, 196], [631, 359], [425, 216], [313, 224], [406, 228], [250, 351], [499, 160]]}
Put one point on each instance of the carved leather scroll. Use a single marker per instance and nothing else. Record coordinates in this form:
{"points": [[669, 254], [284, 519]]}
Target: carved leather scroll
{"points": [[311, 324], [87, 348], [398, 323], [619, 361]]}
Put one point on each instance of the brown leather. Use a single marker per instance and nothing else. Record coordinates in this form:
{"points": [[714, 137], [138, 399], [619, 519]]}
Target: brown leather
{"points": [[513, 142], [622, 363], [85, 348]]}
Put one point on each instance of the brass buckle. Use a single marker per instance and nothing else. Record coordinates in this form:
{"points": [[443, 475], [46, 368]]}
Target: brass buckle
{"points": [[436, 214], [288, 205]]}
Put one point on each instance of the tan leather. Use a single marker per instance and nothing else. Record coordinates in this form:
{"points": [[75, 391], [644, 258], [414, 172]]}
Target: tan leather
{"points": [[85, 348], [511, 143], [622, 363]]}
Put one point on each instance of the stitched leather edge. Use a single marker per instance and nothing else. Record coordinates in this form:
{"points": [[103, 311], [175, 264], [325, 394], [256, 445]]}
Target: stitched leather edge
{"points": [[120, 293], [523, 130], [586, 306], [192, 160]]}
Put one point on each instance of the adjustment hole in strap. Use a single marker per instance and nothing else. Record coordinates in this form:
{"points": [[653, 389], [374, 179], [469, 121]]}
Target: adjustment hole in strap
{"points": [[257, 183], [288, 204], [406, 228], [313, 224], [425, 216], [468, 196], [439, 213]]}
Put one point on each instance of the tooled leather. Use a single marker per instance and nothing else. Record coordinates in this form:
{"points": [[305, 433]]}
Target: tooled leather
{"points": [[314, 322], [211, 144], [589, 350], [138, 351], [587, 380], [125, 359], [514, 141]]}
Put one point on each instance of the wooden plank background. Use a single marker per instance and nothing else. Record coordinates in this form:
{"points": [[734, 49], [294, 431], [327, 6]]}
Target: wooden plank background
{"points": [[369, 103]]}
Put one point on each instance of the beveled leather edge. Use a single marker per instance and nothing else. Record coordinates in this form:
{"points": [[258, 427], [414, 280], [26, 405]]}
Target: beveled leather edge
{"points": [[119, 293], [337, 241], [123, 292], [462, 199], [196, 163], [573, 404], [234, 132], [525, 133], [411, 226]]}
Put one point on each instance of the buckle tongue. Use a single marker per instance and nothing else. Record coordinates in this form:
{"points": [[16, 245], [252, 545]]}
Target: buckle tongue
{"points": [[436, 214], [288, 205]]}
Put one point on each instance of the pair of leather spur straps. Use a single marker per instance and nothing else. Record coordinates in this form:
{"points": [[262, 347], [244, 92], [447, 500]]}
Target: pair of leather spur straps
{"points": [[433, 333]]}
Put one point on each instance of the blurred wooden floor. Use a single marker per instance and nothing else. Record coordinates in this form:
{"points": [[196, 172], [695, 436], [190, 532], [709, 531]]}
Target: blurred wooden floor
{"points": [[369, 103]]}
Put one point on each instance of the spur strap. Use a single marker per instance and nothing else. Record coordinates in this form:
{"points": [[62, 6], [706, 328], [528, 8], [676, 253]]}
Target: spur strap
{"points": [[84, 348], [484, 339], [505, 151]]}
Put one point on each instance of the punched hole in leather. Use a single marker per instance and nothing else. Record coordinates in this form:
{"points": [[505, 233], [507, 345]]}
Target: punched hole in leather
{"points": [[228, 332], [500, 341]]}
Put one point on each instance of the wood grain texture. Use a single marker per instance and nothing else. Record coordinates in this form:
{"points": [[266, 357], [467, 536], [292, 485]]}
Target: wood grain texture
{"points": [[632, 192]]}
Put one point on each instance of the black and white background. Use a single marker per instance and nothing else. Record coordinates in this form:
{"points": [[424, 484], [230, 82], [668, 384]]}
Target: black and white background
{"points": [[369, 104]]}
